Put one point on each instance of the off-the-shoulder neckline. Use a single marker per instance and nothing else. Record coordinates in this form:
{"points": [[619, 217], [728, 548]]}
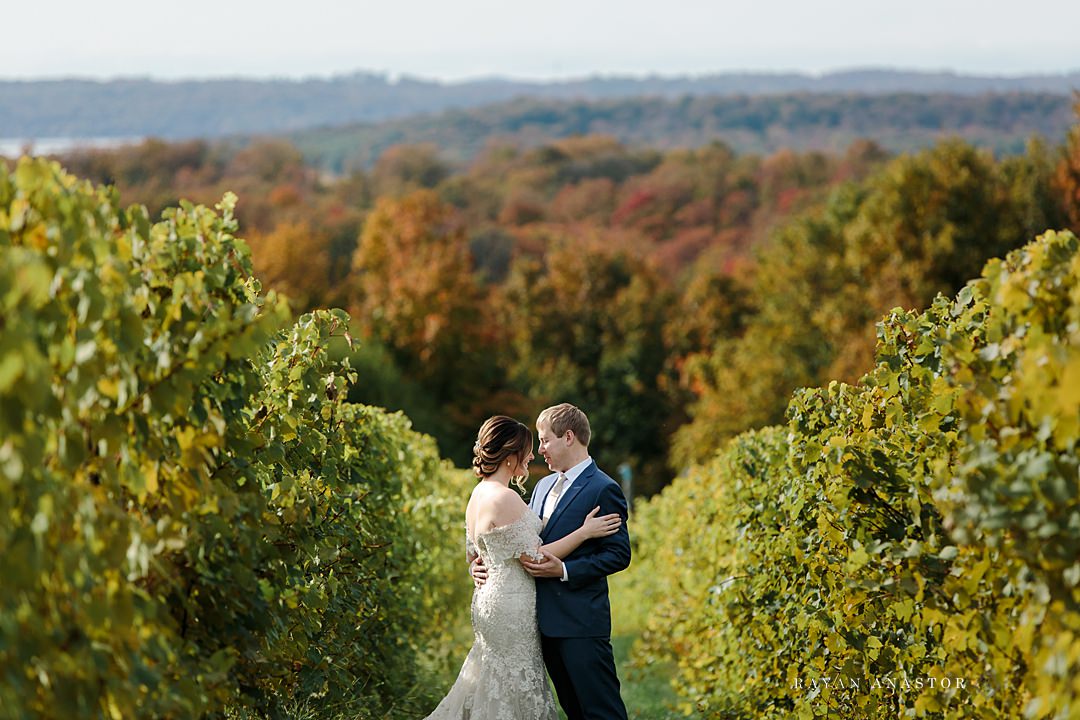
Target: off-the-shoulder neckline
{"points": [[527, 512]]}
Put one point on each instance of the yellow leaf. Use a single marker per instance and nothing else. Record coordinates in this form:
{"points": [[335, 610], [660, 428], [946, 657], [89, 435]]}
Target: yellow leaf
{"points": [[1068, 394], [17, 216], [37, 237], [109, 387], [150, 476], [185, 436], [114, 709]]}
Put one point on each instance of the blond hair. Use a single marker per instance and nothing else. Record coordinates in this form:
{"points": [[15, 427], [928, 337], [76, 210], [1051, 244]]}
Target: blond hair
{"points": [[563, 417]]}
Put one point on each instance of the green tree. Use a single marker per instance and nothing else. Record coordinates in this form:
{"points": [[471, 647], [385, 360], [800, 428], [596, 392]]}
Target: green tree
{"points": [[586, 326]]}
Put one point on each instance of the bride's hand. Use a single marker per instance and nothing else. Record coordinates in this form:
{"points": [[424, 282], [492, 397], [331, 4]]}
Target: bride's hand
{"points": [[598, 527]]}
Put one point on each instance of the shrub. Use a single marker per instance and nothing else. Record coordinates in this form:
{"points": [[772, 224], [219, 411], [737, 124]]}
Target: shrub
{"points": [[193, 519], [924, 523]]}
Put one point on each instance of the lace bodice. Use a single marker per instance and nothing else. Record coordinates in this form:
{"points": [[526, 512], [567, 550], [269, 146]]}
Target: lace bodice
{"points": [[503, 677], [505, 543]]}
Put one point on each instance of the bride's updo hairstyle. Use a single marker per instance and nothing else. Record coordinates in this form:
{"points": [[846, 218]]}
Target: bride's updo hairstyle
{"points": [[500, 439]]}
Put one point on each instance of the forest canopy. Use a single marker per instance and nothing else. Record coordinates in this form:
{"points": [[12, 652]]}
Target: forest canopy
{"points": [[679, 295]]}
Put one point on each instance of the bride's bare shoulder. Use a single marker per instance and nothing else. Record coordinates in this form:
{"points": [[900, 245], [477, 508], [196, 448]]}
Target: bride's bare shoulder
{"points": [[495, 506], [494, 492]]}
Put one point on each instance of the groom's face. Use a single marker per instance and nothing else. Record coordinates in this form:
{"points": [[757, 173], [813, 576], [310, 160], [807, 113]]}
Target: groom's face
{"points": [[555, 450]]}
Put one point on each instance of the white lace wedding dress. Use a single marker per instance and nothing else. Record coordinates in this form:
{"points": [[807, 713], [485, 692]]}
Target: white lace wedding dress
{"points": [[503, 676]]}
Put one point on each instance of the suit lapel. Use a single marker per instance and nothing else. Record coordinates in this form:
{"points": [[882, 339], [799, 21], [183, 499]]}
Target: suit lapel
{"points": [[568, 498]]}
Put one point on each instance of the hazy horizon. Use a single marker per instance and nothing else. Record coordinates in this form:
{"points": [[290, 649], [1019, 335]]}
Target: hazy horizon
{"points": [[393, 77], [565, 40]]}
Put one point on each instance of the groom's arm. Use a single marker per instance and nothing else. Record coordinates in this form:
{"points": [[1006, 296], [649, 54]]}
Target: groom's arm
{"points": [[614, 552]]}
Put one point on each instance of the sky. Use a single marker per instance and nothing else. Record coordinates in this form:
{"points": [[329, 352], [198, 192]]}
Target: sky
{"points": [[465, 39]]}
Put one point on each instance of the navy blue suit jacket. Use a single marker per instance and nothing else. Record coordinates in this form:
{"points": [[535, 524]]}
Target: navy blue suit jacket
{"points": [[580, 606]]}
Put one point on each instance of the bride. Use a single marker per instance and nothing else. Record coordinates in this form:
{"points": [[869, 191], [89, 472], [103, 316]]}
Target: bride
{"points": [[503, 676]]}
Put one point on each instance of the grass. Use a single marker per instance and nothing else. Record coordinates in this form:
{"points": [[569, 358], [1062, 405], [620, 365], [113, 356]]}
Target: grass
{"points": [[647, 692]]}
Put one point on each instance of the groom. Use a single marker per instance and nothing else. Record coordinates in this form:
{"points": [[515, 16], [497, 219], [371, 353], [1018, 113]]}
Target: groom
{"points": [[572, 604]]}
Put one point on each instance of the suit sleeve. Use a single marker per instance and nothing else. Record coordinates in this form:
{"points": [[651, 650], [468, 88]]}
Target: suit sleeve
{"points": [[614, 552]]}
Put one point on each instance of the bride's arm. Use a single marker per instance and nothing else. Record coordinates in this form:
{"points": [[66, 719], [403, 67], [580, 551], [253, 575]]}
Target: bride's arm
{"points": [[593, 527]]}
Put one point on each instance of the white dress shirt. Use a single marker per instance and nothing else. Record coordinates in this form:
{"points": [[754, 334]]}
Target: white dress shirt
{"points": [[551, 502]]}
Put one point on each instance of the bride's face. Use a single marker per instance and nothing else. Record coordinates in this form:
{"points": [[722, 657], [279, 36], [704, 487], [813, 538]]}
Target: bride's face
{"points": [[523, 467]]}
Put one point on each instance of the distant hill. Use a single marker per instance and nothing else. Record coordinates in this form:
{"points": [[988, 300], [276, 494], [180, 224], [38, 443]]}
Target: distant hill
{"points": [[217, 108], [761, 124]]}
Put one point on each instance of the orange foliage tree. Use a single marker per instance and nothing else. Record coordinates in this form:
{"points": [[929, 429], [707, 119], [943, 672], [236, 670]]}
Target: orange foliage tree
{"points": [[1067, 178], [294, 259], [414, 290]]}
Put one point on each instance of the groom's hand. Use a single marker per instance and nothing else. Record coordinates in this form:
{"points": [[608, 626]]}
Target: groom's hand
{"points": [[551, 566], [478, 572]]}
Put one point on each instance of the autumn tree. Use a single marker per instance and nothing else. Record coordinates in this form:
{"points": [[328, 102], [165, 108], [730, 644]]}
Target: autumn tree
{"points": [[922, 226], [406, 168], [713, 304], [1067, 177], [155, 172], [294, 259], [415, 292]]}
